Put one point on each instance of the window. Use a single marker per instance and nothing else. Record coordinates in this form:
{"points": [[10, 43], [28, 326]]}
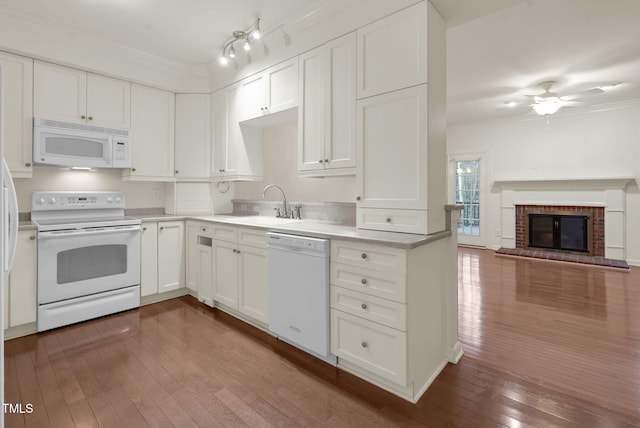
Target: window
{"points": [[468, 195]]}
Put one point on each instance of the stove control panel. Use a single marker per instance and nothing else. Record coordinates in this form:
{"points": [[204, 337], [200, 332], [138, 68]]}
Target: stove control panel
{"points": [[48, 201]]}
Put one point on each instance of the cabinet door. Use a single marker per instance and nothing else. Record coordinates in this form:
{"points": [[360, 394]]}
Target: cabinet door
{"points": [[170, 256], [311, 114], [59, 93], [149, 259], [18, 113], [392, 136], [205, 271], [225, 273], [22, 281], [253, 283], [340, 105], [108, 102], [281, 86], [401, 36], [152, 126], [219, 101], [193, 136], [191, 274], [251, 95]]}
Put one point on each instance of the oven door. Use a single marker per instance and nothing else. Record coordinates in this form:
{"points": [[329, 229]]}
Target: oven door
{"points": [[74, 263]]}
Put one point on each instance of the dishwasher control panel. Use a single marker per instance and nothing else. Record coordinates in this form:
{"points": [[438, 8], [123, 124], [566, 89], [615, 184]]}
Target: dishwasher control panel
{"points": [[297, 242]]}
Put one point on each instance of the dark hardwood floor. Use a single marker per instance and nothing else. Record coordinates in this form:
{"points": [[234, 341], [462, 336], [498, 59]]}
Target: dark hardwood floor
{"points": [[546, 344]]}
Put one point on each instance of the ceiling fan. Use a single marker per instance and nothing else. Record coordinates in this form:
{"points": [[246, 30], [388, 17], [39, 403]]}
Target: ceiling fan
{"points": [[550, 102]]}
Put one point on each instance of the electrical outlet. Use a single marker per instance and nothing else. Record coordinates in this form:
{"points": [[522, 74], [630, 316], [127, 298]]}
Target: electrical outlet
{"points": [[256, 208], [498, 232]]}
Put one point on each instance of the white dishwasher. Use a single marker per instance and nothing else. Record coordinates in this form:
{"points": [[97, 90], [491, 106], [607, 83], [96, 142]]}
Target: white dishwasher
{"points": [[299, 292]]}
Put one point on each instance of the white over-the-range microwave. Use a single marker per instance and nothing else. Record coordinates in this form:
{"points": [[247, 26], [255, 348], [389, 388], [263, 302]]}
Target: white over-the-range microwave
{"points": [[77, 145]]}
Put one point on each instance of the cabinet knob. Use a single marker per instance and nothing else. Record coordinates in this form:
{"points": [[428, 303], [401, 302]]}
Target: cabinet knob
{"points": [[364, 306], [32, 237], [83, 117], [234, 250], [144, 228], [90, 118], [364, 344], [388, 220], [27, 164], [326, 161], [357, 198], [176, 171], [204, 229], [161, 227], [363, 281], [364, 255], [133, 169], [238, 251], [320, 161]]}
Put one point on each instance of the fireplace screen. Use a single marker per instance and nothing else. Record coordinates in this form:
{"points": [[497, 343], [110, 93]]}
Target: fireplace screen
{"points": [[560, 232]]}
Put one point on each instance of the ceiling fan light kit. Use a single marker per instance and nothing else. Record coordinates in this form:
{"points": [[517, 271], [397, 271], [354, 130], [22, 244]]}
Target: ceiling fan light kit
{"points": [[245, 36], [549, 102]]}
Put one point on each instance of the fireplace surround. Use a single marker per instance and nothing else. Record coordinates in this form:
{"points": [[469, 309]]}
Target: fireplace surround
{"points": [[559, 218]]}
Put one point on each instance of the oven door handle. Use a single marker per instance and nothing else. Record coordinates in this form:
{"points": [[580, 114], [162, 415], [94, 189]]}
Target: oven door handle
{"points": [[87, 232]]}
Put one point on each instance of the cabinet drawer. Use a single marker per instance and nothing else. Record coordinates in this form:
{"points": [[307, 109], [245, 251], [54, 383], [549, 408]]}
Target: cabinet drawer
{"points": [[380, 349], [252, 237], [376, 257], [390, 286], [224, 233], [392, 220], [372, 308]]}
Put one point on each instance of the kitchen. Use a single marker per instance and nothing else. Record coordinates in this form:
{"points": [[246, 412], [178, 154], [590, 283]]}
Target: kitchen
{"points": [[165, 179], [184, 182]]}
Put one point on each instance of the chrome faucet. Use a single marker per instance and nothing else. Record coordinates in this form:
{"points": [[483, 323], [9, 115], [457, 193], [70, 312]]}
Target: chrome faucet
{"points": [[285, 212]]}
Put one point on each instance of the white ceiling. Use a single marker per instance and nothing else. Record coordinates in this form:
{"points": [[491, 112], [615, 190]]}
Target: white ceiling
{"points": [[498, 50]]}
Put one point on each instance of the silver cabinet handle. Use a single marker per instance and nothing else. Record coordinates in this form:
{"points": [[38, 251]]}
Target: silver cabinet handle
{"points": [[364, 306]]}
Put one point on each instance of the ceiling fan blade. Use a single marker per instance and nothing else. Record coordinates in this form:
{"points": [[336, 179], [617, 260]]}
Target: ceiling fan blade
{"points": [[566, 103], [594, 91]]}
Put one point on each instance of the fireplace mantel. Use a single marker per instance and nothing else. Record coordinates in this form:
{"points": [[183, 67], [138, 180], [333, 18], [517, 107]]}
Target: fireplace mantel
{"points": [[600, 183]]}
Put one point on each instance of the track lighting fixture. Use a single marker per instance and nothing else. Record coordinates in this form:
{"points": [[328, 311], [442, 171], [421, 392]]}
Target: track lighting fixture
{"points": [[246, 36]]}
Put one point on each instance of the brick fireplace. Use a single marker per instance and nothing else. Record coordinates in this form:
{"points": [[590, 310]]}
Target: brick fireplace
{"points": [[595, 236]]}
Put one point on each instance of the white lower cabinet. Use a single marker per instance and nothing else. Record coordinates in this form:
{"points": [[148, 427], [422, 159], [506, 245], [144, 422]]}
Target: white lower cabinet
{"points": [[240, 270], [20, 290], [387, 314], [162, 260], [199, 273]]}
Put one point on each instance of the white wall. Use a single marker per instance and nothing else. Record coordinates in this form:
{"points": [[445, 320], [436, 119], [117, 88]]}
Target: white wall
{"points": [[280, 153], [573, 145], [137, 194]]}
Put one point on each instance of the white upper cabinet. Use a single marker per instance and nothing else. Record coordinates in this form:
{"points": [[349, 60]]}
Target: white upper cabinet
{"points": [[271, 91], [152, 128], [401, 168], [327, 113], [193, 136], [392, 52], [18, 113], [71, 95], [237, 151]]}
